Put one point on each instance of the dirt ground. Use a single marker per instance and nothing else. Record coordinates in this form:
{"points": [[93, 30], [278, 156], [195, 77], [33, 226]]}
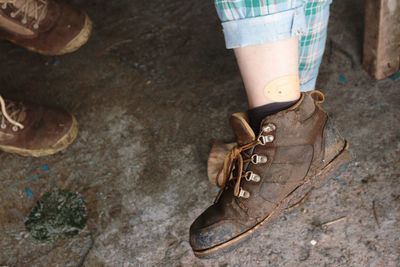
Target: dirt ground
{"points": [[151, 90]]}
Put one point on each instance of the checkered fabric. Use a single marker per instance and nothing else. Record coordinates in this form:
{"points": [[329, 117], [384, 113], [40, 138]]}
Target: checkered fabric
{"points": [[248, 13]]}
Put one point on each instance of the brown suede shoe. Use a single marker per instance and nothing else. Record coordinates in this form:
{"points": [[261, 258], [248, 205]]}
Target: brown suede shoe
{"points": [[263, 175], [48, 27], [32, 130]]}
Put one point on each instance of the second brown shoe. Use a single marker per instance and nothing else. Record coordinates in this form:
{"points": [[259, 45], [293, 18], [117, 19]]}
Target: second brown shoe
{"points": [[48, 27], [267, 172], [34, 130]]}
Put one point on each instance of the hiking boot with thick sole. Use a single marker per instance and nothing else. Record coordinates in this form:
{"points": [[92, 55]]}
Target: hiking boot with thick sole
{"points": [[48, 27], [33, 130], [297, 149]]}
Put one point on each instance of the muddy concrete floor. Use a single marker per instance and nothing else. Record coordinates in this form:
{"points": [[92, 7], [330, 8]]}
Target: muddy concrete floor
{"points": [[151, 90]]}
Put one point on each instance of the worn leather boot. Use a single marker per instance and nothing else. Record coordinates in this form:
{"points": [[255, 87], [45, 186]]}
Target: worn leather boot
{"points": [[267, 172], [33, 130], [48, 27]]}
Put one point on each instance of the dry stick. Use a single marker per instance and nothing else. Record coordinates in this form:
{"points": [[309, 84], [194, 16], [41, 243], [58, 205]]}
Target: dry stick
{"points": [[374, 212], [300, 201], [333, 221], [332, 46], [113, 46]]}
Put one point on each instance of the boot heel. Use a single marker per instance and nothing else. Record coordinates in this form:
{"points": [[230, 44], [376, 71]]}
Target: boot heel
{"points": [[332, 169], [335, 167]]}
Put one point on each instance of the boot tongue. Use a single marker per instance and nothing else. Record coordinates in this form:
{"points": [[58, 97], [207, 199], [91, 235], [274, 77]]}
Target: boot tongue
{"points": [[241, 128]]}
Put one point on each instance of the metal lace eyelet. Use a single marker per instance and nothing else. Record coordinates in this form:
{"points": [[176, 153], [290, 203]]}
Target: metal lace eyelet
{"points": [[270, 127], [256, 159], [12, 14], [36, 26], [24, 21], [15, 128], [3, 126], [4, 6], [263, 139], [251, 176], [243, 193]]}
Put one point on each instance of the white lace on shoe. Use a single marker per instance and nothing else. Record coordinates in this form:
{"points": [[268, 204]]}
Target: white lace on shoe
{"points": [[11, 117], [34, 9]]}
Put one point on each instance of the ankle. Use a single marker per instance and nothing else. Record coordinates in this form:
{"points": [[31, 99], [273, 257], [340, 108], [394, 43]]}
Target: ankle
{"points": [[257, 114]]}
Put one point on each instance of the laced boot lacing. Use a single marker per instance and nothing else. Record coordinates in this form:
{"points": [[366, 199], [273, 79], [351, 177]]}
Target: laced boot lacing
{"points": [[11, 117], [35, 9], [236, 158]]}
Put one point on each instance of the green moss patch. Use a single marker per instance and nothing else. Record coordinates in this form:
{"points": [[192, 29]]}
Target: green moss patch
{"points": [[59, 214]]}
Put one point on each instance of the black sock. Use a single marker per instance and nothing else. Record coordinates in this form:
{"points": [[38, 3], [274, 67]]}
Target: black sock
{"points": [[256, 115]]}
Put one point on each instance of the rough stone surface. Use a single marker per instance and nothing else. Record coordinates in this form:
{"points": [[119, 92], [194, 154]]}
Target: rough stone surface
{"points": [[151, 90]]}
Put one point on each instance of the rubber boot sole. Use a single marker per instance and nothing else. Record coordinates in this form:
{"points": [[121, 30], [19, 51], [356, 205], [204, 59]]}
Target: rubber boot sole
{"points": [[77, 42], [321, 176], [80, 39], [60, 145]]}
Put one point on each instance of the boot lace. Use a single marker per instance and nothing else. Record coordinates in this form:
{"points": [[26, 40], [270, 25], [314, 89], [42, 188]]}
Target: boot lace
{"points": [[233, 170], [11, 113], [34, 9]]}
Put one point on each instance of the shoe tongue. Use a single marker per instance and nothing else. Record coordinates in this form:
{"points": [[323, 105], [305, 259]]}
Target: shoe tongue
{"points": [[241, 128]]}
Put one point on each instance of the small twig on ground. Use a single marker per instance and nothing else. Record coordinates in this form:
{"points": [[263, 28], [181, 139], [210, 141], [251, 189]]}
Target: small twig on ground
{"points": [[300, 201], [333, 221], [113, 46], [375, 214], [333, 46], [86, 253], [330, 51]]}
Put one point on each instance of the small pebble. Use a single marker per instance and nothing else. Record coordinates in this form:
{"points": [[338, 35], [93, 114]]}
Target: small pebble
{"points": [[313, 242]]}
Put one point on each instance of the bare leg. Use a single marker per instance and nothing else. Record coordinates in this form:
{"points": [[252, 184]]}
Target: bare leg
{"points": [[261, 64]]}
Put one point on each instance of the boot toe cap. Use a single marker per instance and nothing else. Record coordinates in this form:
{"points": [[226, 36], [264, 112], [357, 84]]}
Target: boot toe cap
{"points": [[209, 231]]}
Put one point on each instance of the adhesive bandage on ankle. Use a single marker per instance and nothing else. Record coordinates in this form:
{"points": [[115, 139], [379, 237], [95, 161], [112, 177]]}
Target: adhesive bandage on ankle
{"points": [[277, 90]]}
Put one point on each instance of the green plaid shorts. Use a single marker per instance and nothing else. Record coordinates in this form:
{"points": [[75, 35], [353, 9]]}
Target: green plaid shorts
{"points": [[251, 22]]}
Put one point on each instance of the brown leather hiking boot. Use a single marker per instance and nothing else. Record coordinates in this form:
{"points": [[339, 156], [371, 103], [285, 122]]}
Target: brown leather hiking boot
{"points": [[266, 173], [48, 27], [33, 130]]}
